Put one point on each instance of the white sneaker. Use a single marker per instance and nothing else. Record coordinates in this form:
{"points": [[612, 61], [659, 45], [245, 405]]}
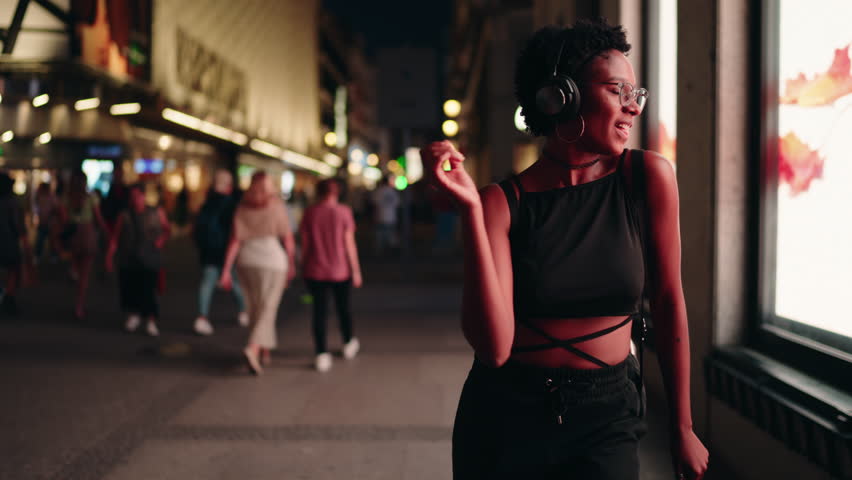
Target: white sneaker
{"points": [[351, 348], [243, 319], [202, 326], [132, 323], [323, 362], [151, 329]]}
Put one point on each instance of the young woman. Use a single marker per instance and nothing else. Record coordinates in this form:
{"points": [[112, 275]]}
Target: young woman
{"points": [[554, 275], [259, 228], [330, 264], [140, 234], [80, 216]]}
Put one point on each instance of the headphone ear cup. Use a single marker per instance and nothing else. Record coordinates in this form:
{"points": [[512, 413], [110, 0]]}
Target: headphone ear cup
{"points": [[549, 99], [561, 95]]}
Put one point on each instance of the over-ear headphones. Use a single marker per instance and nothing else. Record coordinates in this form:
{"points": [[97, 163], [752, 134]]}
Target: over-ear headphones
{"points": [[559, 94]]}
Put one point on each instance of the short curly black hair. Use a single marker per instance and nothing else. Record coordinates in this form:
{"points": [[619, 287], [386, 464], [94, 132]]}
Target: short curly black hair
{"points": [[584, 40]]}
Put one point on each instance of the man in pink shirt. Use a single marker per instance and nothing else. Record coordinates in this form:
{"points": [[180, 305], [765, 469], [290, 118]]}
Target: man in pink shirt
{"points": [[330, 263]]}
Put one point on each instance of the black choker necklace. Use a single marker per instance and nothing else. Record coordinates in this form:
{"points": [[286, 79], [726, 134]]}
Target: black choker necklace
{"points": [[569, 165]]}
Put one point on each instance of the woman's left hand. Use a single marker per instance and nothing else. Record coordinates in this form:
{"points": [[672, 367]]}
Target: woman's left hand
{"points": [[689, 456]]}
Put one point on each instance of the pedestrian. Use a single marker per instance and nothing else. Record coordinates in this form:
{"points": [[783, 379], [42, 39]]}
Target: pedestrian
{"points": [[81, 220], [385, 203], [264, 268], [46, 208], [555, 268], [210, 232], [136, 246], [14, 246], [181, 210], [446, 218], [116, 199], [330, 265]]}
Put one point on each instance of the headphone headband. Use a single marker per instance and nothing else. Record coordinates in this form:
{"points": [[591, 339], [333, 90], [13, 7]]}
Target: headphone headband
{"points": [[559, 56]]}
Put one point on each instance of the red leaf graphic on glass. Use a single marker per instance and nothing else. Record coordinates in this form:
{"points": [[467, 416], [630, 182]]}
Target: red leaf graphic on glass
{"points": [[798, 164], [823, 88]]}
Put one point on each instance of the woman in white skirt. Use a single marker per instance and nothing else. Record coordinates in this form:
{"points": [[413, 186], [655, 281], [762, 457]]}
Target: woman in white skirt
{"points": [[264, 268]]}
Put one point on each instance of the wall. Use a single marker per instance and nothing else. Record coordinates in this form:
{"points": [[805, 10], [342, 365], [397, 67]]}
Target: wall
{"points": [[273, 44]]}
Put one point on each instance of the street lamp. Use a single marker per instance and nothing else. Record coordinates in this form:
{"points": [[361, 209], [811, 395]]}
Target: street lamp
{"points": [[330, 139], [452, 108], [520, 122], [450, 128]]}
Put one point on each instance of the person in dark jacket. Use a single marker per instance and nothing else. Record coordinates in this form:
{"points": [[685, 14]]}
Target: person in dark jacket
{"points": [[211, 232], [14, 248]]}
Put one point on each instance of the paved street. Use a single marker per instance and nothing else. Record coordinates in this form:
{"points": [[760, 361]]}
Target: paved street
{"points": [[89, 401]]}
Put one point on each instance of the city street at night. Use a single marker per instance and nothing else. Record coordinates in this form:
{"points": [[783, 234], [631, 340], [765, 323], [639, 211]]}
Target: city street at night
{"points": [[90, 401]]}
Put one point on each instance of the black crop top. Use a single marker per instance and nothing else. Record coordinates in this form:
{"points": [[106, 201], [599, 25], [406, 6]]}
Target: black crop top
{"points": [[576, 250]]}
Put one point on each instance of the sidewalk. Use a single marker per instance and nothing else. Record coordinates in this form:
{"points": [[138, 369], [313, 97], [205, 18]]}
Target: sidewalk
{"points": [[93, 402]]}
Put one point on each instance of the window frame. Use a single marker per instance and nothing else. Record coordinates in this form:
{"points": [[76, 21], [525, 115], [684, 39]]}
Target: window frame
{"points": [[815, 351]]}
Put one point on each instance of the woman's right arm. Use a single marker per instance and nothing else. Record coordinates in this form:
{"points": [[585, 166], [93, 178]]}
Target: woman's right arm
{"points": [[487, 311]]}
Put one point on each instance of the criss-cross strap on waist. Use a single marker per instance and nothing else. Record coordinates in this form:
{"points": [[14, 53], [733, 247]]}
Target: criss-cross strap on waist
{"points": [[568, 344]]}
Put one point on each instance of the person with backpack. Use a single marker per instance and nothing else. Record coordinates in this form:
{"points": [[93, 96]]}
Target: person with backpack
{"points": [[558, 261], [136, 248], [211, 233]]}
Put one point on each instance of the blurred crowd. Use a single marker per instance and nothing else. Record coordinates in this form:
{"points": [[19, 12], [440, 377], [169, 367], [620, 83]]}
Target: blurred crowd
{"points": [[251, 243]]}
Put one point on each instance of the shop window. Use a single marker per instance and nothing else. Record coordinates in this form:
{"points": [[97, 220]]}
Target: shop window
{"points": [[806, 228]]}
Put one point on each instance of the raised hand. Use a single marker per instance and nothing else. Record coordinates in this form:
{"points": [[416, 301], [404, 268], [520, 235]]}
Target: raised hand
{"points": [[456, 182]]}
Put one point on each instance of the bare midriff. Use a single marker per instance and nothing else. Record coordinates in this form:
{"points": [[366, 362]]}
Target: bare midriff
{"points": [[611, 348]]}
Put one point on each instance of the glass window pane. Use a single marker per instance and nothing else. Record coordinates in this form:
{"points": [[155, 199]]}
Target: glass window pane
{"points": [[814, 224]]}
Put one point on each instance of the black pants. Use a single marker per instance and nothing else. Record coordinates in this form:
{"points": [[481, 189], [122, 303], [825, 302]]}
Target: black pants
{"points": [[340, 290], [137, 288], [521, 421]]}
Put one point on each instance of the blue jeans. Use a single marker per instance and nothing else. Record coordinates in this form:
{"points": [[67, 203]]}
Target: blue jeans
{"points": [[209, 279]]}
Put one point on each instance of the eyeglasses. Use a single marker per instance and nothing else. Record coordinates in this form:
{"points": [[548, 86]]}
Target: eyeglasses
{"points": [[627, 94]]}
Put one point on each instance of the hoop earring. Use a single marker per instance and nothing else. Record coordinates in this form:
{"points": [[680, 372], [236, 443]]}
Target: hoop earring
{"points": [[582, 131]]}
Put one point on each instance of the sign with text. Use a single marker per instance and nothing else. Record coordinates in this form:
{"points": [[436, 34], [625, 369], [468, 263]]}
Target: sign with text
{"points": [[202, 70]]}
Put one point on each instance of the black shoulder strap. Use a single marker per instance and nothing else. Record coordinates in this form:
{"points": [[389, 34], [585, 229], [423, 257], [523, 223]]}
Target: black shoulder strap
{"points": [[638, 195], [511, 196]]}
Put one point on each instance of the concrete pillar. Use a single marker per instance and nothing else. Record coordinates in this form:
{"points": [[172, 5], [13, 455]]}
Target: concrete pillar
{"points": [[697, 150]]}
